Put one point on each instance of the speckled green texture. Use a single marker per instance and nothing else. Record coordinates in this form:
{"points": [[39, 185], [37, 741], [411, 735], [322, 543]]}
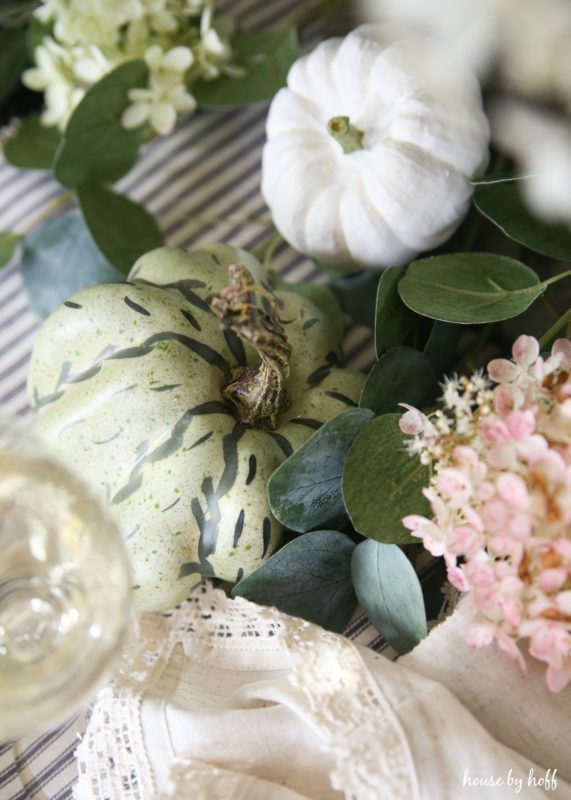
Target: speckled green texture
{"points": [[127, 381]]}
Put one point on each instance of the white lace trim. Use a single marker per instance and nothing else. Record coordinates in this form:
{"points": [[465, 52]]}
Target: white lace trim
{"points": [[349, 712]]}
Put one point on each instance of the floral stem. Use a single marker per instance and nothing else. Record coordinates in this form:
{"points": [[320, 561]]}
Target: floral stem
{"points": [[59, 202], [555, 328], [349, 137]]}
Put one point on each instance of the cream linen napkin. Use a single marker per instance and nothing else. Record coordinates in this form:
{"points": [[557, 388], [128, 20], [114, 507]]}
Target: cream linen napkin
{"points": [[225, 699], [518, 709]]}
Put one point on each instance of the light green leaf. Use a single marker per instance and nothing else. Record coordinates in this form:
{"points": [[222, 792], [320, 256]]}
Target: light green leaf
{"points": [[502, 204], [95, 145], [469, 287], [382, 483], [401, 375], [305, 491], [8, 244], [33, 146], [320, 296], [389, 592], [122, 229], [264, 58], [13, 59], [395, 324], [58, 259], [310, 578]]}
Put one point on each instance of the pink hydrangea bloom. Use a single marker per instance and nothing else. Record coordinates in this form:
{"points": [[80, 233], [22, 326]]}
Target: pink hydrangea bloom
{"points": [[500, 493]]}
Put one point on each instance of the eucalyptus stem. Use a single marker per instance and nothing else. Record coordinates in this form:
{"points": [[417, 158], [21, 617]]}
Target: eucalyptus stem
{"points": [[556, 278], [555, 328], [60, 201]]}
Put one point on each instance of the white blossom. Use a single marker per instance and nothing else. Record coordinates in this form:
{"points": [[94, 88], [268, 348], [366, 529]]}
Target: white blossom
{"points": [[181, 41]]}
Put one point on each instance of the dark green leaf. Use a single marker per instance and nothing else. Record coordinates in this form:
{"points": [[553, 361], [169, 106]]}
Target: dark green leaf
{"points": [[469, 287], [357, 294], [8, 244], [58, 259], [305, 491], [13, 59], [122, 229], [37, 31], [389, 592], [395, 324], [442, 346], [382, 483], [16, 12], [310, 578], [95, 145], [265, 59], [320, 296], [503, 205], [401, 375], [33, 146]]}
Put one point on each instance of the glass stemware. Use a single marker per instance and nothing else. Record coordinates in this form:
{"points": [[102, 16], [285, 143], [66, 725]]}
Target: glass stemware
{"points": [[64, 588]]}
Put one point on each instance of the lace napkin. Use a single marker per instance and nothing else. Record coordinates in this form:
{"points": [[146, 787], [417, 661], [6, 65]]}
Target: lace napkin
{"points": [[225, 699]]}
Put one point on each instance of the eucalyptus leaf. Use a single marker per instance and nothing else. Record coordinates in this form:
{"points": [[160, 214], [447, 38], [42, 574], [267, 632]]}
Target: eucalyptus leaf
{"points": [[503, 205], [58, 259], [8, 244], [95, 145], [121, 228], [469, 287], [33, 146], [442, 346], [357, 294], [13, 59], [382, 483], [390, 594], [305, 491], [310, 578], [395, 324], [321, 296], [264, 60], [401, 375]]}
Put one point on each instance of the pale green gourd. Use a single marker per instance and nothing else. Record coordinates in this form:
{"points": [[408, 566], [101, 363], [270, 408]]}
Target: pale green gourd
{"points": [[127, 380]]}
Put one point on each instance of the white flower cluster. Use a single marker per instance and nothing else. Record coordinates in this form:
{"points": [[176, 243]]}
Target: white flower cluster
{"points": [[180, 40], [522, 48]]}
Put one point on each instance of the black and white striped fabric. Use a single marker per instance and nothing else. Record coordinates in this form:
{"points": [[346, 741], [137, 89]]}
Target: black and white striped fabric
{"points": [[202, 184]]}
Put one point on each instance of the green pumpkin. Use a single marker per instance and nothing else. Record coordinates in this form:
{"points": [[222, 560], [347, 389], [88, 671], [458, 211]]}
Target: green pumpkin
{"points": [[128, 381]]}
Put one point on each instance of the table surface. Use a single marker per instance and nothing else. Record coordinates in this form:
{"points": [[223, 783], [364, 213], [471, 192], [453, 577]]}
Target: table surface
{"points": [[202, 184]]}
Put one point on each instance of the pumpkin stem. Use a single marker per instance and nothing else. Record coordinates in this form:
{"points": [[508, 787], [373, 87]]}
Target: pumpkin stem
{"points": [[259, 394], [349, 137]]}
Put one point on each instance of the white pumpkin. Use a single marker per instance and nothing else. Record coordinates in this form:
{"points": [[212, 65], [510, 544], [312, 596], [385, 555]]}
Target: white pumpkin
{"points": [[371, 149]]}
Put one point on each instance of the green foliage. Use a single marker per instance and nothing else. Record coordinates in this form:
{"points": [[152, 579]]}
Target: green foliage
{"points": [[8, 244], [122, 229], [58, 259], [382, 483], [503, 205], [13, 59], [305, 491], [469, 287], [401, 375], [310, 578], [442, 346], [320, 296], [264, 60], [33, 146], [357, 293], [395, 324], [389, 592], [95, 145]]}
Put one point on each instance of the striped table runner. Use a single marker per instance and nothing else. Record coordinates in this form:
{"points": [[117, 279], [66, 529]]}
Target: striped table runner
{"points": [[202, 185]]}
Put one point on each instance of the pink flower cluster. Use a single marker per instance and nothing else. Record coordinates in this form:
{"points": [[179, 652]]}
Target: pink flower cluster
{"points": [[500, 493]]}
